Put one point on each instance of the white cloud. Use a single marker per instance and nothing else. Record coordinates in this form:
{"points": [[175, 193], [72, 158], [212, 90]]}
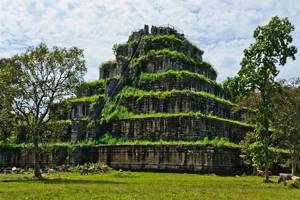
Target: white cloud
{"points": [[221, 28]]}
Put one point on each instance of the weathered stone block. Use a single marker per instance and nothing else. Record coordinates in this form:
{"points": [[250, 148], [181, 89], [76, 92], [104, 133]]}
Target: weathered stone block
{"points": [[177, 128]]}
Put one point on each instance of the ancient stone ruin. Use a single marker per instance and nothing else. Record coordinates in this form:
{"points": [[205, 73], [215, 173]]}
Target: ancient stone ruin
{"points": [[158, 87], [162, 89]]}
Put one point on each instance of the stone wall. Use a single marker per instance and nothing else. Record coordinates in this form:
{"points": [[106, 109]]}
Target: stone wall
{"points": [[191, 158], [79, 110], [179, 102], [109, 70], [165, 62], [81, 131], [177, 127], [177, 158], [171, 83]]}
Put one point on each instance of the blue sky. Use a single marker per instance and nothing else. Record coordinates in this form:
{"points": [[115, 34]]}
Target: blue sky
{"points": [[223, 29]]}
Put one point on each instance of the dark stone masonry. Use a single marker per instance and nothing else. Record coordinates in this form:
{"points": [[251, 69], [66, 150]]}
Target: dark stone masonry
{"points": [[175, 158], [177, 128]]}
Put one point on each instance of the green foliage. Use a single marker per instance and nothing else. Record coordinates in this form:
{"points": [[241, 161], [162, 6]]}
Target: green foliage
{"points": [[47, 76], [113, 111], [287, 116], [286, 120], [91, 88], [53, 131], [259, 153], [6, 122], [231, 85], [245, 148], [8, 78]]}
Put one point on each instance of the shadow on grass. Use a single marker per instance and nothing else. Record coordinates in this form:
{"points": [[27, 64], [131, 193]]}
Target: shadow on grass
{"points": [[62, 180]]}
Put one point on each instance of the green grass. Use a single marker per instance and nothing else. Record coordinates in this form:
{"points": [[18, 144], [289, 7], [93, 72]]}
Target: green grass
{"points": [[142, 185]]}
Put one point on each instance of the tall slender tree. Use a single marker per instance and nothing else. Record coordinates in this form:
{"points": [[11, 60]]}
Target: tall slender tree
{"points": [[259, 69]]}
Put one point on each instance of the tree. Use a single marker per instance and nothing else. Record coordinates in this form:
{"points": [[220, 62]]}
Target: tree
{"points": [[287, 118], [47, 77], [7, 79], [272, 47]]}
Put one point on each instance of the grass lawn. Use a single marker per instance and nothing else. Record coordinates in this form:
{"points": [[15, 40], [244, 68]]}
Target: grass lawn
{"points": [[141, 185]]}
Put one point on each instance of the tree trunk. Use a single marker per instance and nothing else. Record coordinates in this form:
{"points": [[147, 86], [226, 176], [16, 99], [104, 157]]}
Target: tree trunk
{"points": [[293, 159], [267, 180], [37, 169]]}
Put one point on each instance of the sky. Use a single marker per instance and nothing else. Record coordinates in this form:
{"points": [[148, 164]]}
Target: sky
{"points": [[223, 29]]}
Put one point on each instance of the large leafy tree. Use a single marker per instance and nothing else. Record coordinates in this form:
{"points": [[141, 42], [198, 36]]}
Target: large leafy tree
{"points": [[271, 48], [47, 77], [287, 118]]}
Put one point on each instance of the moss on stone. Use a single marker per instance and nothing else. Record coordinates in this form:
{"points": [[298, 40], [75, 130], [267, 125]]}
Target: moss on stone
{"points": [[91, 88], [187, 114], [109, 69], [108, 63], [179, 75], [156, 42], [91, 99], [134, 92], [173, 56], [219, 142]]}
